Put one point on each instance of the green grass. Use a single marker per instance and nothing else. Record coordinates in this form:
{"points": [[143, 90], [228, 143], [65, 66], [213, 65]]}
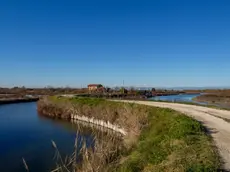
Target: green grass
{"points": [[88, 101], [171, 142], [80, 100], [168, 140]]}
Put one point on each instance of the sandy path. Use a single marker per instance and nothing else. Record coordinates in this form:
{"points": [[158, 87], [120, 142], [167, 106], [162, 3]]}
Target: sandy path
{"points": [[211, 119]]}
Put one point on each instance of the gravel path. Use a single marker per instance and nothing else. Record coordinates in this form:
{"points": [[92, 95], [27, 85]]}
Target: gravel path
{"points": [[216, 121]]}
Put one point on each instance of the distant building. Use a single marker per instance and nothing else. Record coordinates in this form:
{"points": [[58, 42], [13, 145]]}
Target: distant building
{"points": [[94, 87], [29, 96]]}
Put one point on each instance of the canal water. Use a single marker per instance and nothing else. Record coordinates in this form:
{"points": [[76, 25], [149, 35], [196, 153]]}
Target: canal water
{"points": [[177, 98], [23, 133], [186, 98]]}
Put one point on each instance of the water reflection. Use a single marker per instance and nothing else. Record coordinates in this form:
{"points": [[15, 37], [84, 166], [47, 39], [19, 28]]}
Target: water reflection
{"points": [[176, 98], [24, 133]]}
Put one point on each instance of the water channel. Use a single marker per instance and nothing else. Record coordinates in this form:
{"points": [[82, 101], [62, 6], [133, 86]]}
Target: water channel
{"points": [[176, 98], [23, 133]]}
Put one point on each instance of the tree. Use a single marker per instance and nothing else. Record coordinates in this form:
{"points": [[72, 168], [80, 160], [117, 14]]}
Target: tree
{"points": [[153, 89], [123, 90], [108, 89], [132, 90]]}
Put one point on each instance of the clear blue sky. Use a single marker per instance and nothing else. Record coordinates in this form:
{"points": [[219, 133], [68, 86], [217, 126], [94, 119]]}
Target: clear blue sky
{"points": [[156, 43]]}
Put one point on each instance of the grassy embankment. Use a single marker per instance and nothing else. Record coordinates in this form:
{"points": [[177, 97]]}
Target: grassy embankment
{"points": [[157, 140]]}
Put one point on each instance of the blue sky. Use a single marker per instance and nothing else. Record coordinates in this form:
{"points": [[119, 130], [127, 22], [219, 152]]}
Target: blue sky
{"points": [[152, 43]]}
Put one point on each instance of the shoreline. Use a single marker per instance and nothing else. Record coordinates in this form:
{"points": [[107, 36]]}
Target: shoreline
{"points": [[214, 100], [98, 122], [17, 100]]}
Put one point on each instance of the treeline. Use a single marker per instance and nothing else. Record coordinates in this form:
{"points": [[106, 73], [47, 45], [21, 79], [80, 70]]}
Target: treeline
{"points": [[21, 91], [42, 91]]}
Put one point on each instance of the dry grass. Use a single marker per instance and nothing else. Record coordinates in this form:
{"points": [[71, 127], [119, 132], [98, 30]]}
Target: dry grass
{"points": [[131, 117], [214, 99], [158, 139], [100, 157]]}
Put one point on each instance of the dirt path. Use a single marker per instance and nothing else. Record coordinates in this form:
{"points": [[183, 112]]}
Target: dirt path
{"points": [[216, 121]]}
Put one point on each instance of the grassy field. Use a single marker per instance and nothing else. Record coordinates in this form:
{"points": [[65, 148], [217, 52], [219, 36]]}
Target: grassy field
{"points": [[171, 142], [158, 139]]}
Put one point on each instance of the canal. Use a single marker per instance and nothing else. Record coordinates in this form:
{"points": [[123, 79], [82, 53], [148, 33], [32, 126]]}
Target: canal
{"points": [[176, 98], [183, 98], [23, 133]]}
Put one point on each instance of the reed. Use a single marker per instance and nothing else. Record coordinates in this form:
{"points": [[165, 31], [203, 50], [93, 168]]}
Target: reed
{"points": [[157, 139], [105, 152]]}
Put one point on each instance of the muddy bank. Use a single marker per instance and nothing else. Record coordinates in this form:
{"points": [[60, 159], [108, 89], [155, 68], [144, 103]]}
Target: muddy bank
{"points": [[214, 99]]}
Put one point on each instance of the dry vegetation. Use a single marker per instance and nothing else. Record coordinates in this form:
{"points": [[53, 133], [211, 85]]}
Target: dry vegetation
{"points": [[221, 99], [158, 139], [100, 156], [20, 91], [211, 91], [127, 116]]}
